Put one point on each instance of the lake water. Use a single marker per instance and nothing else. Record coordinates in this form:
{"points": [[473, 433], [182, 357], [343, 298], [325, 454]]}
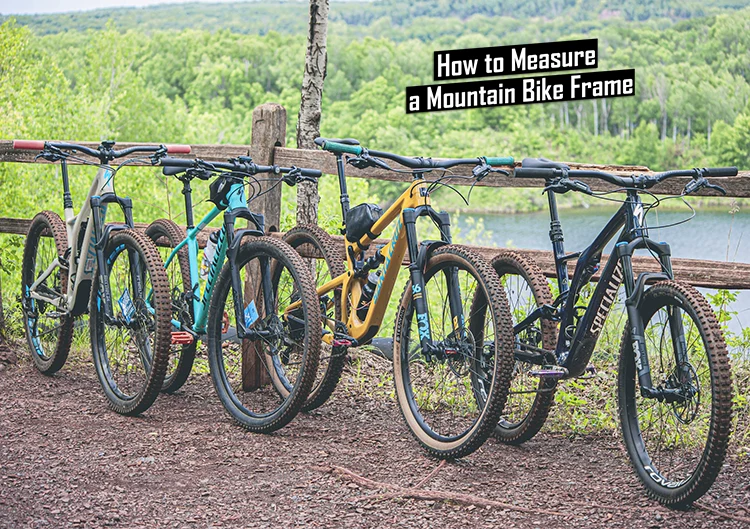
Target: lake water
{"points": [[707, 236]]}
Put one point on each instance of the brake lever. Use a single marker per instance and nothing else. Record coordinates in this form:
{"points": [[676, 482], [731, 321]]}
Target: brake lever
{"points": [[158, 155], [364, 160], [293, 177], [700, 182], [51, 154], [564, 185]]}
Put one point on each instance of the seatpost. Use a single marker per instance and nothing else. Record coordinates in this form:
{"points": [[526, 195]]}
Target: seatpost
{"points": [[187, 191], [67, 198], [558, 246], [342, 187]]}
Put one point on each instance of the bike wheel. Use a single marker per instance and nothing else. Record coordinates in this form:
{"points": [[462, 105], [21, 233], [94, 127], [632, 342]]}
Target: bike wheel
{"points": [[287, 353], [452, 400], [49, 331], [328, 264], [678, 448], [530, 397], [180, 287], [131, 349]]}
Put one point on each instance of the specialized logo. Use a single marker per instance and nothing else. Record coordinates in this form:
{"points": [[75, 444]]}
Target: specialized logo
{"points": [[387, 260], [424, 326], [638, 214], [610, 295]]}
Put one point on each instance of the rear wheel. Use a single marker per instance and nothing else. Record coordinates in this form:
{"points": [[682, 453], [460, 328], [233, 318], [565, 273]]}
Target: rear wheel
{"points": [[452, 399], [169, 235], [326, 265], [247, 372], [49, 330], [530, 397], [677, 447], [131, 348]]}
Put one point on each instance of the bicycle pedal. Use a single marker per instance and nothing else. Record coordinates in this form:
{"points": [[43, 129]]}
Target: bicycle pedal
{"points": [[549, 372], [182, 338]]}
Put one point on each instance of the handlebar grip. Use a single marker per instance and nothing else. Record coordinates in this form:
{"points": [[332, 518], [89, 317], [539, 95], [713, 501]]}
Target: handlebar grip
{"points": [[319, 141], [720, 171], [312, 173], [502, 160], [536, 172], [340, 148], [178, 149], [28, 145]]}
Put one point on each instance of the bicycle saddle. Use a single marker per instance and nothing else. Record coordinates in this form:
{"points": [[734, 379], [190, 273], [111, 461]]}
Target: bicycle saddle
{"points": [[542, 163]]}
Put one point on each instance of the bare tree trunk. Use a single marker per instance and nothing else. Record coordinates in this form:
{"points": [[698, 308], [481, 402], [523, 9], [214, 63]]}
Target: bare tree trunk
{"points": [[308, 124], [596, 117], [689, 130]]}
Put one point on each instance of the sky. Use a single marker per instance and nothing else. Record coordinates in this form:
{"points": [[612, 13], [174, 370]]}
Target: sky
{"points": [[29, 7]]}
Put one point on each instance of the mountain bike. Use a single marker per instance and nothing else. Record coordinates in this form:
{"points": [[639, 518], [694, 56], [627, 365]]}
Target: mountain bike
{"points": [[241, 311], [450, 388], [674, 385], [110, 271]]}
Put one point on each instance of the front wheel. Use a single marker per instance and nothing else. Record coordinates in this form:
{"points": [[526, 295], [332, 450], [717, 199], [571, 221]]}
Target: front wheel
{"points": [[677, 446], [452, 397], [283, 346], [130, 340]]}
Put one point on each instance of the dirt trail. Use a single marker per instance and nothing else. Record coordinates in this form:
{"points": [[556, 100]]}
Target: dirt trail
{"points": [[66, 461]]}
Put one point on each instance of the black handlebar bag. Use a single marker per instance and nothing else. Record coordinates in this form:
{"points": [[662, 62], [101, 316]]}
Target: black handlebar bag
{"points": [[360, 219], [220, 188]]}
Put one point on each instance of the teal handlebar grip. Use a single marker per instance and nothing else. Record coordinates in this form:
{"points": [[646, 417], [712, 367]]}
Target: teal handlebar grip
{"points": [[503, 160], [340, 148]]}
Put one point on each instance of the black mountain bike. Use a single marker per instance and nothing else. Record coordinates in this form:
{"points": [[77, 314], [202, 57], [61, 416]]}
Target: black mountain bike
{"points": [[674, 386]]}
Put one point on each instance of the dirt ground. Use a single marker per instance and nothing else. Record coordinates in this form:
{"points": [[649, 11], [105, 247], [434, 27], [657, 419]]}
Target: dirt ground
{"points": [[67, 461]]}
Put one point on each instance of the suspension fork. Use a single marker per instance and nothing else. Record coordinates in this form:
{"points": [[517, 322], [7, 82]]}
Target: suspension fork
{"points": [[418, 284], [97, 214]]}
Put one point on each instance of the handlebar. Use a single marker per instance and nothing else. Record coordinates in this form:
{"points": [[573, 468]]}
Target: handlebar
{"points": [[558, 176], [350, 146], [105, 152], [242, 164]]}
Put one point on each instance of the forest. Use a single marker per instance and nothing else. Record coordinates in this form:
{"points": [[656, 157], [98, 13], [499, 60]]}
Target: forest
{"points": [[193, 74]]}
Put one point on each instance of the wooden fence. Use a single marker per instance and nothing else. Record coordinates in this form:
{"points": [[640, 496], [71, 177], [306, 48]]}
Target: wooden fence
{"points": [[268, 147]]}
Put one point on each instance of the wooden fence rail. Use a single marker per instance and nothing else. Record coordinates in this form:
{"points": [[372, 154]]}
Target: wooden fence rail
{"points": [[267, 146]]}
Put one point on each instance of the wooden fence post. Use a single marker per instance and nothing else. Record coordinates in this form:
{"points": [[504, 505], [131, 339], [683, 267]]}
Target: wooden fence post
{"points": [[269, 131]]}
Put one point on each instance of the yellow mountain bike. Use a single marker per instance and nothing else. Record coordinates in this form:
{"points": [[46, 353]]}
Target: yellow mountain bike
{"points": [[451, 378]]}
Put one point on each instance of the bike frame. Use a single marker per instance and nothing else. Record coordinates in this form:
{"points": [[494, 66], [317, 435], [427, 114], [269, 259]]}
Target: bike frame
{"points": [[574, 349], [413, 203], [87, 234], [228, 244]]}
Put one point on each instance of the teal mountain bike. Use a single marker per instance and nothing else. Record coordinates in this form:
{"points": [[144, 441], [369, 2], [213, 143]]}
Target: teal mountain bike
{"points": [[240, 313]]}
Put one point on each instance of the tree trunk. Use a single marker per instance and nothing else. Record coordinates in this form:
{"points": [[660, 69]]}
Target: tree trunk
{"points": [[689, 130], [596, 117], [308, 124]]}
